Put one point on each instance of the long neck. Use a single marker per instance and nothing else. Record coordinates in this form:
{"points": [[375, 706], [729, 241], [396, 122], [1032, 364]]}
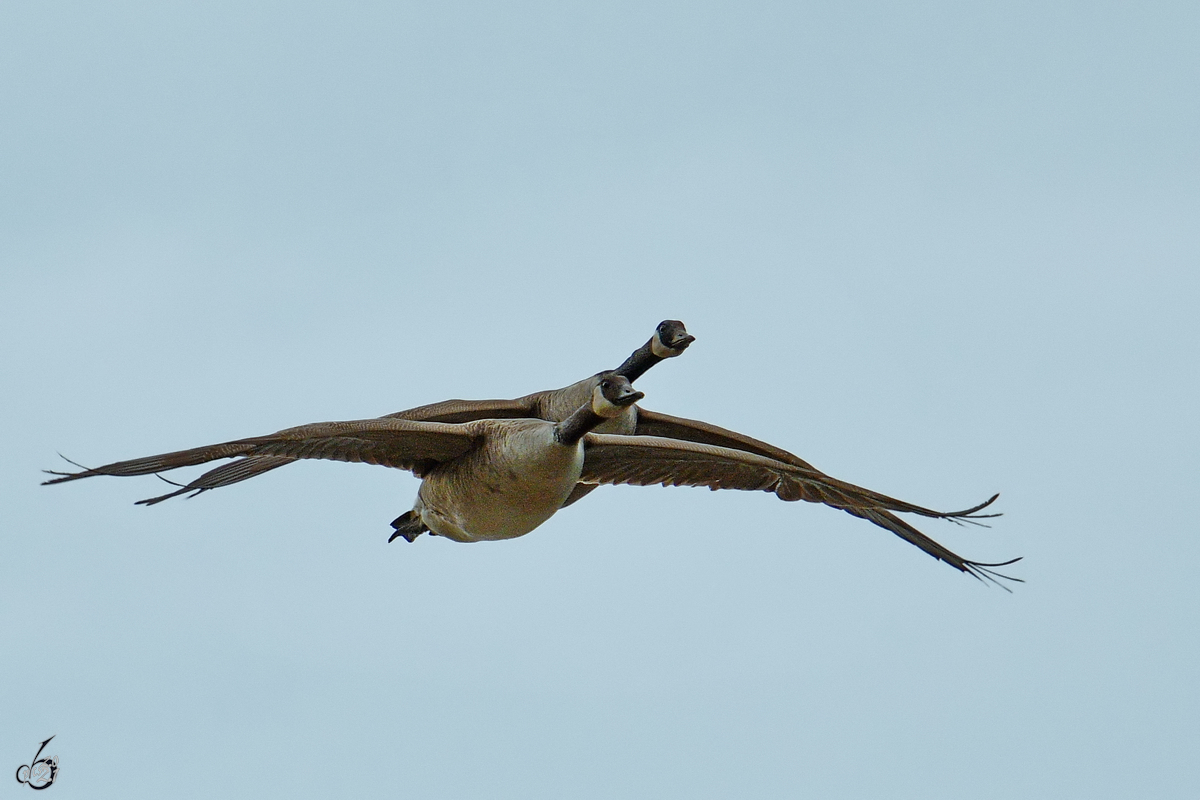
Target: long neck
{"points": [[638, 362], [572, 429]]}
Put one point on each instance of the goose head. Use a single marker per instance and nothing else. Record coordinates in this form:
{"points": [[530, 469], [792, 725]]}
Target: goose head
{"points": [[613, 394], [670, 339]]}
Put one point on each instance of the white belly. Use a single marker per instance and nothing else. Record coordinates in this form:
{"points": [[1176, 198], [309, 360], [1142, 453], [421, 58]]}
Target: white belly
{"points": [[506, 489]]}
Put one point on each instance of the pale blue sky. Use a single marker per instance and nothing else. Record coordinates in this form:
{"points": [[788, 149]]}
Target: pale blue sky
{"points": [[936, 249]]}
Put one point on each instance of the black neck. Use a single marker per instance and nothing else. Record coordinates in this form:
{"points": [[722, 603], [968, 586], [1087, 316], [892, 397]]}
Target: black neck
{"points": [[572, 429], [638, 362]]}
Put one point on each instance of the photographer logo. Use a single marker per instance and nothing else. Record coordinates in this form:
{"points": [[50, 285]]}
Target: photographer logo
{"points": [[41, 773]]}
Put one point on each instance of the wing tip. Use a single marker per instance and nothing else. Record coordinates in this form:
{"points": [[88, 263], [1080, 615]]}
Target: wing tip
{"points": [[85, 472], [986, 572]]}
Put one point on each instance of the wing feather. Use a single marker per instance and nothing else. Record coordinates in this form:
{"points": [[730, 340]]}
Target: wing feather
{"points": [[402, 444], [448, 411], [821, 488], [650, 460]]}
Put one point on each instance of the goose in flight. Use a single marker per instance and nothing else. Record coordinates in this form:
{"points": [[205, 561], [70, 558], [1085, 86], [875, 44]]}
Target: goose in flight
{"points": [[501, 478]]}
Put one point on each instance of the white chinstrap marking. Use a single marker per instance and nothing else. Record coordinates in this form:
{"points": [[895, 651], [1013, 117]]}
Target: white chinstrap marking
{"points": [[659, 349], [604, 407]]}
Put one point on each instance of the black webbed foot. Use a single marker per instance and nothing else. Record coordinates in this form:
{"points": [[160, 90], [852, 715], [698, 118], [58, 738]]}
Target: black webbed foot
{"points": [[409, 526]]}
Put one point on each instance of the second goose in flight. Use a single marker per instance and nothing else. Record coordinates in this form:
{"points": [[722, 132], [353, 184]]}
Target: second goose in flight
{"points": [[670, 339]]}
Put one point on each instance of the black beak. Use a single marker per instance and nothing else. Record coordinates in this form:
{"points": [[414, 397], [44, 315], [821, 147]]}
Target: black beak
{"points": [[682, 342], [627, 400]]}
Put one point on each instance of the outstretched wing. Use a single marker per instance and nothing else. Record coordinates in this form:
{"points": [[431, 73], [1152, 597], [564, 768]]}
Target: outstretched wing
{"points": [[402, 444], [448, 411], [651, 460], [652, 423]]}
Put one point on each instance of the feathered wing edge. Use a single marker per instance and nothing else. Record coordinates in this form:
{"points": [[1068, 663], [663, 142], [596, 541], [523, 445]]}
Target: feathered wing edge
{"points": [[401, 444], [982, 571], [224, 475], [252, 465], [654, 423], [649, 460]]}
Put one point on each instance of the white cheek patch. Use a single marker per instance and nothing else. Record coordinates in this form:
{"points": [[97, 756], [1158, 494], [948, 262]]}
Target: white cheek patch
{"points": [[604, 407], [659, 349]]}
